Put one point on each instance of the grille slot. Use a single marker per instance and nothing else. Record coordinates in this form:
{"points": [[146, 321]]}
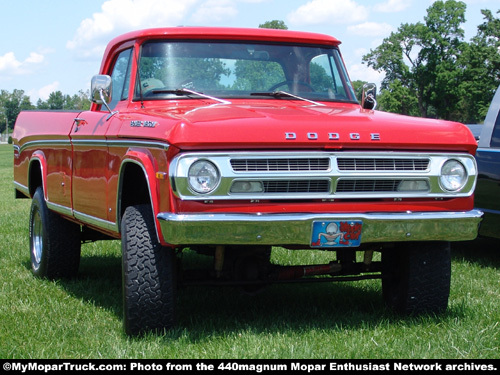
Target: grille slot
{"points": [[296, 186], [367, 186], [382, 164], [281, 165]]}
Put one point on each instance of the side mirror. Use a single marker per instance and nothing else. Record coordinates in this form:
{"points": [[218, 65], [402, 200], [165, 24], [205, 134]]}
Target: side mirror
{"points": [[101, 89], [368, 100]]}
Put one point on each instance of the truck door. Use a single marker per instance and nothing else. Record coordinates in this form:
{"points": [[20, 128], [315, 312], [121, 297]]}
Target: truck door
{"points": [[93, 166], [90, 158]]}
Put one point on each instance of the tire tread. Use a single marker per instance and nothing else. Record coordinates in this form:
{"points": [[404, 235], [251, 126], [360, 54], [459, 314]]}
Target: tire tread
{"points": [[148, 275]]}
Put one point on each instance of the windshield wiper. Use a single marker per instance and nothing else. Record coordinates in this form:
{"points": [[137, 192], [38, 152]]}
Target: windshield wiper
{"points": [[280, 94], [185, 91]]}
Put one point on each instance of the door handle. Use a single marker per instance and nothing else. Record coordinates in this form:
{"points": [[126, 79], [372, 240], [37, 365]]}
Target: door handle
{"points": [[79, 122]]}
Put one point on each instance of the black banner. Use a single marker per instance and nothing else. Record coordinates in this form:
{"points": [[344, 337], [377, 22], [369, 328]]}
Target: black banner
{"points": [[256, 366]]}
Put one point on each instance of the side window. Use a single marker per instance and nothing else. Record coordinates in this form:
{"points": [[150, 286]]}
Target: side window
{"points": [[325, 77], [321, 74], [121, 77], [495, 137]]}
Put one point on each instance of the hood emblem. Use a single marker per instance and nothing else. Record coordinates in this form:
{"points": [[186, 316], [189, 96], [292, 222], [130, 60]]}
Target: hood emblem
{"points": [[312, 136], [143, 124]]}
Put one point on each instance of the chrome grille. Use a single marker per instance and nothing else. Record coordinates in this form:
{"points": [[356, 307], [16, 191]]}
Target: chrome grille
{"points": [[367, 186], [382, 164], [281, 165], [296, 186]]}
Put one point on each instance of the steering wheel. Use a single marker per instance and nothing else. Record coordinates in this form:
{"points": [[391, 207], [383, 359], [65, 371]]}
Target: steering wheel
{"points": [[149, 85], [291, 83]]}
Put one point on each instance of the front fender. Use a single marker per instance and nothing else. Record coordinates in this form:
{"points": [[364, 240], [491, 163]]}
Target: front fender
{"points": [[143, 160]]}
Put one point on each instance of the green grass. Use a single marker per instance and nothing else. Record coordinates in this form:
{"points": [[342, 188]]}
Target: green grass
{"points": [[81, 318]]}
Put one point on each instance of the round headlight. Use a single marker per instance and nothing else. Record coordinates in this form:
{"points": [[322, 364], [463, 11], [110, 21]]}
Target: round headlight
{"points": [[453, 175], [203, 176]]}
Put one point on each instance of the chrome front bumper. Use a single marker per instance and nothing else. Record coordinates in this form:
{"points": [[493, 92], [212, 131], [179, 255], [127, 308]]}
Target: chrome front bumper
{"points": [[296, 229]]}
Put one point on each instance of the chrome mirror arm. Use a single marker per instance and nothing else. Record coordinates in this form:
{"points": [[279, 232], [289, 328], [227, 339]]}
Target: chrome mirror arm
{"points": [[111, 113]]}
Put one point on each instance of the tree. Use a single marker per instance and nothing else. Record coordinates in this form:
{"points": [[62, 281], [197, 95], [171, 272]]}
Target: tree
{"points": [[423, 58], [398, 99], [432, 67], [40, 104], [80, 101], [10, 106], [274, 24], [13, 103], [481, 63], [443, 45], [58, 101]]}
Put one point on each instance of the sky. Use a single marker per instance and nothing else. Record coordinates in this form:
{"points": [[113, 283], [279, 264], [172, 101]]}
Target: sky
{"points": [[57, 45]]}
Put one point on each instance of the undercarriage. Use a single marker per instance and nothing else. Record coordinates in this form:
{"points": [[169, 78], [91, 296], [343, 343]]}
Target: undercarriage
{"points": [[252, 269]]}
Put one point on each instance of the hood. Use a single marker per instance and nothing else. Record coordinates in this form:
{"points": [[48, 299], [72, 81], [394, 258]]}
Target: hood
{"points": [[287, 124]]}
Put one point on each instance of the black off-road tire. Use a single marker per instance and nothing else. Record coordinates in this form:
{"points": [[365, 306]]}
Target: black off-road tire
{"points": [[149, 277], [416, 277], [55, 242]]}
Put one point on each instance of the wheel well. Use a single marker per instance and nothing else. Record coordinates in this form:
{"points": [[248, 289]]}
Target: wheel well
{"points": [[34, 177], [134, 189]]}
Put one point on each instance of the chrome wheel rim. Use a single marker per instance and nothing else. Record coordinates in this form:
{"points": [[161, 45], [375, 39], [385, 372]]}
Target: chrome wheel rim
{"points": [[37, 240]]}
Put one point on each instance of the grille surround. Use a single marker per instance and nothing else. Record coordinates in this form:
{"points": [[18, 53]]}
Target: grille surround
{"points": [[303, 175]]}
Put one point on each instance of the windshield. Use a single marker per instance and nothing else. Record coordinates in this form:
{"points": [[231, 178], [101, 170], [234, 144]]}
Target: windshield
{"points": [[241, 70]]}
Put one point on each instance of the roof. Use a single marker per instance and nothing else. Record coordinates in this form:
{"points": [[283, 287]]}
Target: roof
{"points": [[218, 33], [226, 33]]}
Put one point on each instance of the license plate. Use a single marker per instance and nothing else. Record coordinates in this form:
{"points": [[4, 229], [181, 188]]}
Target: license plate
{"points": [[338, 233]]}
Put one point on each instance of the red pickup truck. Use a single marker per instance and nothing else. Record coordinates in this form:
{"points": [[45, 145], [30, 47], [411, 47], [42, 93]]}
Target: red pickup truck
{"points": [[231, 141]]}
